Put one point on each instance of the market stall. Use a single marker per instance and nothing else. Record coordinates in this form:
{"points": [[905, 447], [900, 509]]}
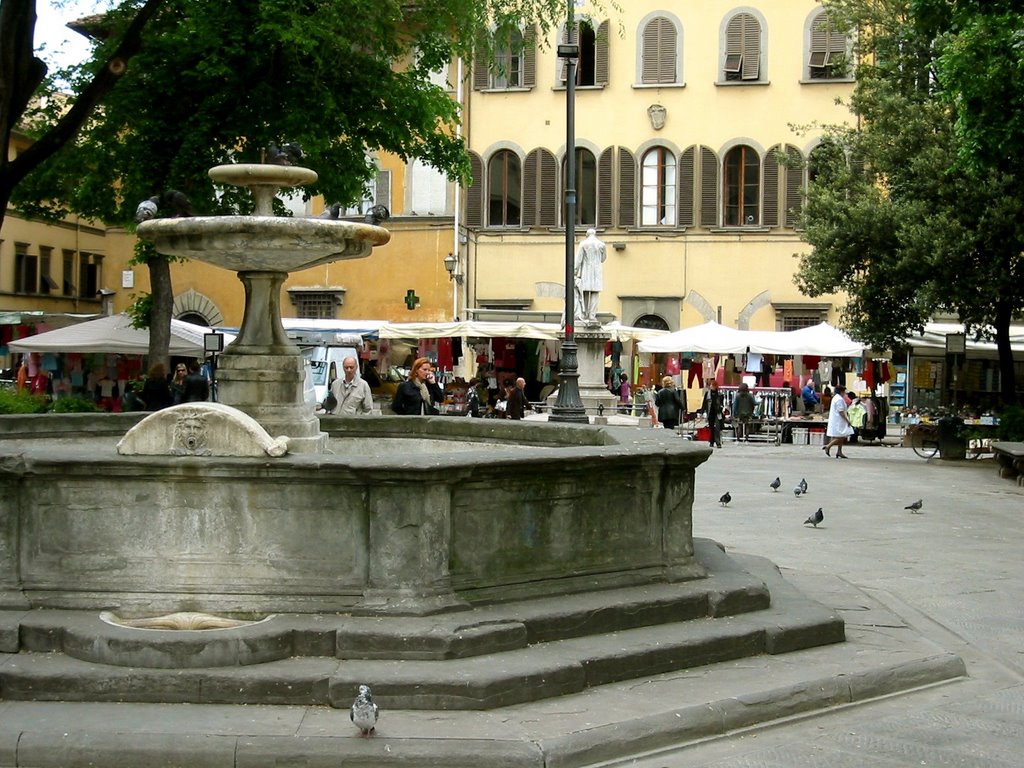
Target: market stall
{"points": [[765, 360], [98, 357]]}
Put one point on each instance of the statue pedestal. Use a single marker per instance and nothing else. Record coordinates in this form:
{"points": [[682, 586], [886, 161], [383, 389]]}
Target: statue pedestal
{"points": [[591, 341]]}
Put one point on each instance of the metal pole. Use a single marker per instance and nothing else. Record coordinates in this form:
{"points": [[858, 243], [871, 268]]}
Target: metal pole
{"points": [[568, 405]]}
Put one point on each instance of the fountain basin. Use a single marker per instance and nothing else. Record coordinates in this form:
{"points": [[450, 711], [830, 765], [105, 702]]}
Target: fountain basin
{"points": [[262, 243], [493, 512]]}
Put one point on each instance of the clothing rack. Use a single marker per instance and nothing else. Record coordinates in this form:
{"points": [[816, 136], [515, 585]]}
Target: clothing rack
{"points": [[772, 408]]}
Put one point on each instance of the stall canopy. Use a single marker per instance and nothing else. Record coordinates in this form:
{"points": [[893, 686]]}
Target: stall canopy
{"points": [[115, 335], [488, 329], [478, 329], [934, 337], [823, 340], [711, 338]]}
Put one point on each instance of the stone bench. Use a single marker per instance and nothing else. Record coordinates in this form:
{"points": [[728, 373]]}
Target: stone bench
{"points": [[1010, 460]]}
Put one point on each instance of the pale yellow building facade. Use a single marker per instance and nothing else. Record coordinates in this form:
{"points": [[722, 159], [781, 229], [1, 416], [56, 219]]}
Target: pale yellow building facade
{"points": [[682, 113], [685, 115]]}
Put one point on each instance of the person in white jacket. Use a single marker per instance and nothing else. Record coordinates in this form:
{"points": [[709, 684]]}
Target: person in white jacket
{"points": [[351, 393]]}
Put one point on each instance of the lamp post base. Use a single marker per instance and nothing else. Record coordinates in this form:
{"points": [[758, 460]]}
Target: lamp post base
{"points": [[568, 407]]}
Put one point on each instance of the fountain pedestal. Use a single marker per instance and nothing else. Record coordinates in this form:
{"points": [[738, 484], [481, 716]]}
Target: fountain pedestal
{"points": [[262, 373]]}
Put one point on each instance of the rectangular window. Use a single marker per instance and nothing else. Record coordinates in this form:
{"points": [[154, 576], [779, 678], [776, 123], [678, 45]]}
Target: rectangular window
{"points": [[68, 273], [90, 275], [312, 305], [793, 322], [26, 270], [46, 282]]}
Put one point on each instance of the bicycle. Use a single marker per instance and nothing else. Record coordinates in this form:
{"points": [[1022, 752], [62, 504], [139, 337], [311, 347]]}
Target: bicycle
{"points": [[924, 439]]}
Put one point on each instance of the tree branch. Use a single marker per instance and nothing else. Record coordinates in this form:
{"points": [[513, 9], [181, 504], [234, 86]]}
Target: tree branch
{"points": [[73, 120]]}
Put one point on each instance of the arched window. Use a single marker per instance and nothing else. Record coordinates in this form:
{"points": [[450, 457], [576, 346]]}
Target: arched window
{"points": [[540, 189], [651, 321], [827, 57], [658, 52], [592, 65], [825, 162], [742, 48], [658, 188], [508, 63], [586, 186], [742, 187], [504, 196], [512, 64]]}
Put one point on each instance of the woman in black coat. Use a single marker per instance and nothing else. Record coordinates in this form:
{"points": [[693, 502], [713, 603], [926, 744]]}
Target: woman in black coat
{"points": [[671, 407], [156, 391], [713, 408], [419, 394]]}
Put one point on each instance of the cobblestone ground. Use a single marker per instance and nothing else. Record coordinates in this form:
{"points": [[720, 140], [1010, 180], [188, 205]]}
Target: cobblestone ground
{"points": [[954, 572]]}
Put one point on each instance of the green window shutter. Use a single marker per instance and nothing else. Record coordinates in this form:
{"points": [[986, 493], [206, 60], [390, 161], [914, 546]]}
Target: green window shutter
{"points": [[481, 74], [547, 189], [531, 192], [708, 188], [687, 186], [751, 48], [604, 189], [794, 186], [601, 54], [530, 58], [568, 36], [382, 188], [475, 192], [659, 52], [770, 217], [627, 188]]}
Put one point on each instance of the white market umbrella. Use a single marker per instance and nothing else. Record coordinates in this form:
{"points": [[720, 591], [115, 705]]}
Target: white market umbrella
{"points": [[115, 335], [710, 338]]}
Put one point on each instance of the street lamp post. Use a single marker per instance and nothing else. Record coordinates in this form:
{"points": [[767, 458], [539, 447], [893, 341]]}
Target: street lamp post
{"points": [[568, 405]]}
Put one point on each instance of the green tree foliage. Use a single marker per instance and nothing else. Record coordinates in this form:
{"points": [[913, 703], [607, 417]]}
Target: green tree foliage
{"points": [[904, 213], [199, 83]]}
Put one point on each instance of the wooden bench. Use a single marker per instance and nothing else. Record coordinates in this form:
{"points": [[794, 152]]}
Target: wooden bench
{"points": [[1010, 460]]}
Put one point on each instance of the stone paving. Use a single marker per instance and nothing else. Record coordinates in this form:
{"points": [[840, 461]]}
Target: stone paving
{"points": [[954, 572]]}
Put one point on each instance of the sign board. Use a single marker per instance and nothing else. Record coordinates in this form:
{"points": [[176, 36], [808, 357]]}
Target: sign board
{"points": [[956, 343]]}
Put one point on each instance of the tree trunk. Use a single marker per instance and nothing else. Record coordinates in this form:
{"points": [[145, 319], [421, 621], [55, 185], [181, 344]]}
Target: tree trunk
{"points": [[162, 297], [21, 73], [1007, 372]]}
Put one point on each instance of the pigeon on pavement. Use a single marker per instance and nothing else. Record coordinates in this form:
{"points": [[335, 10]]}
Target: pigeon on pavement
{"points": [[364, 712], [798, 490], [725, 499], [816, 518], [774, 484], [915, 508], [803, 485]]}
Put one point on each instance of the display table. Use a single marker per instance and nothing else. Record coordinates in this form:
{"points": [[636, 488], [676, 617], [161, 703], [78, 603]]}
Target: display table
{"points": [[804, 431]]}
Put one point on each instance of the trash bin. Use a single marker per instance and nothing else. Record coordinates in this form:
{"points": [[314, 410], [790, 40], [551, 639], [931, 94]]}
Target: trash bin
{"points": [[952, 444]]}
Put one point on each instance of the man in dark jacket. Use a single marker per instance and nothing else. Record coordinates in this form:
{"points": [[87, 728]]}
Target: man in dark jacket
{"points": [[197, 388], [517, 402]]}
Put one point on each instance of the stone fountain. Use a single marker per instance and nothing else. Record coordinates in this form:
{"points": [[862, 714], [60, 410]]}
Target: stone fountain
{"points": [[456, 563], [262, 372]]}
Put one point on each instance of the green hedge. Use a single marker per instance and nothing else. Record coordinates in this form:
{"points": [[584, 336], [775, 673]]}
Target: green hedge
{"points": [[14, 401], [1011, 424]]}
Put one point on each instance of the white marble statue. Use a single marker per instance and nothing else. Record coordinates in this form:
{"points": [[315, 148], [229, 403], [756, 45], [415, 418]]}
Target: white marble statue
{"points": [[588, 276]]}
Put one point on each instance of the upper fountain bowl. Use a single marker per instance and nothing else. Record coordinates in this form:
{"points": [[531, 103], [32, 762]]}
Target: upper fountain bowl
{"points": [[262, 174], [262, 243]]}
